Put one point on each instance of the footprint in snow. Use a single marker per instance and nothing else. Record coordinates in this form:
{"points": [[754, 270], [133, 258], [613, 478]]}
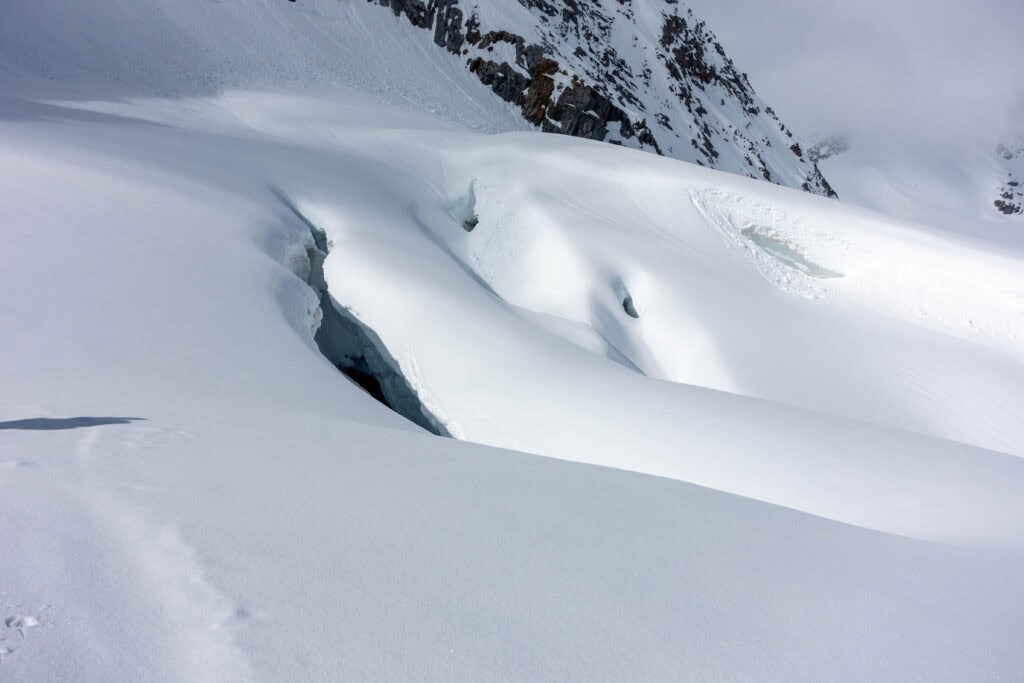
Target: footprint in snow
{"points": [[21, 622], [17, 464]]}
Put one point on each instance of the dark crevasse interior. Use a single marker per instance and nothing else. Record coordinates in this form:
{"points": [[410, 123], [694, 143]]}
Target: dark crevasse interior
{"points": [[359, 354], [355, 350]]}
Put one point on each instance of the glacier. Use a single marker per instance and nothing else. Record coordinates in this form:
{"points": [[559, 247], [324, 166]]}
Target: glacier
{"points": [[674, 452]]}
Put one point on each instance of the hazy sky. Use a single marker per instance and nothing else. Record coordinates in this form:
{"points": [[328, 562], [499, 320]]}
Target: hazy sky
{"points": [[934, 70]]}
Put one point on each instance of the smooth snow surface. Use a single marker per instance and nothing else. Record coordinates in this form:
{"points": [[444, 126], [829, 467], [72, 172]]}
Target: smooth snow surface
{"points": [[831, 401]]}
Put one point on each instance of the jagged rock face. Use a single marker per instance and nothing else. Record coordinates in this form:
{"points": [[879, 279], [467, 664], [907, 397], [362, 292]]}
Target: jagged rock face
{"points": [[645, 74], [1011, 194]]}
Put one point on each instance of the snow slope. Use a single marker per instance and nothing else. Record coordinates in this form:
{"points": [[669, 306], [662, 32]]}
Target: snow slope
{"points": [[117, 49], [190, 491]]}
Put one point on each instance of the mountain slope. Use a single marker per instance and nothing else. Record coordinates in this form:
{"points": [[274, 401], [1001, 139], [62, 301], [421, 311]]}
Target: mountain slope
{"points": [[974, 190], [928, 103], [649, 76]]}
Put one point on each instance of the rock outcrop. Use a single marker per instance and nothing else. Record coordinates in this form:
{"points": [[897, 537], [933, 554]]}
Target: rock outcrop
{"points": [[1011, 194]]}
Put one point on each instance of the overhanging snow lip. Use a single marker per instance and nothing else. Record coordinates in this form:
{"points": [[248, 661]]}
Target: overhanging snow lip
{"points": [[353, 347]]}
